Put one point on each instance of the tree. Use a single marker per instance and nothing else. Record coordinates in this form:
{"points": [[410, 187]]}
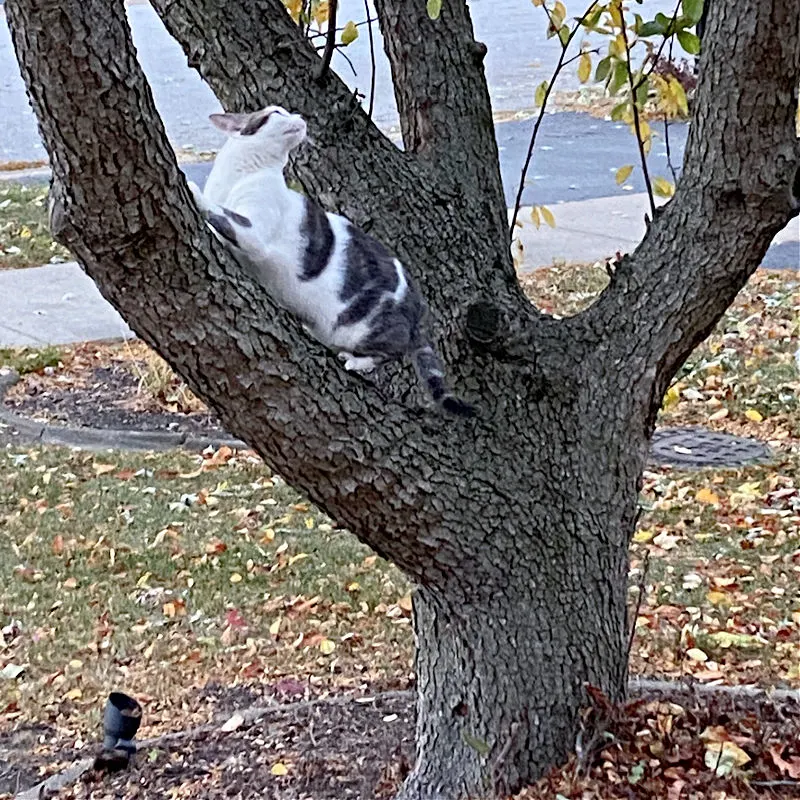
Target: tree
{"points": [[514, 525]]}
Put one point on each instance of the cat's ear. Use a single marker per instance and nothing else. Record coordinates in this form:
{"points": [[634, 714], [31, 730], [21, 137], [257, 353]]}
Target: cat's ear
{"points": [[230, 123]]}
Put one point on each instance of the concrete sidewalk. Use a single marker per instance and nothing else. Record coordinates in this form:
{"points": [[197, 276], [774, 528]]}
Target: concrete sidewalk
{"points": [[59, 304]]}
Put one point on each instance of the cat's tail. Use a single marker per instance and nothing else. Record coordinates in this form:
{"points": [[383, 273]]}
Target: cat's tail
{"points": [[430, 369]]}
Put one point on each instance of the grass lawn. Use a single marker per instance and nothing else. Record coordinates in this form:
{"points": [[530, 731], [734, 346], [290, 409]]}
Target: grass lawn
{"points": [[24, 232]]}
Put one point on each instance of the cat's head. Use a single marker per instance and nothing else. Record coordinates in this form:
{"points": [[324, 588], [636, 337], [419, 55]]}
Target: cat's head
{"points": [[272, 130]]}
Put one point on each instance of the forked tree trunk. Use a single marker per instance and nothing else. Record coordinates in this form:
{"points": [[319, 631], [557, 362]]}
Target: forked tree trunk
{"points": [[515, 525]]}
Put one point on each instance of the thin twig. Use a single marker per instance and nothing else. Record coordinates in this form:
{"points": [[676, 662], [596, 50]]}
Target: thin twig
{"points": [[636, 122], [372, 61], [646, 75], [774, 784], [641, 586], [666, 135], [330, 41], [559, 66], [340, 48]]}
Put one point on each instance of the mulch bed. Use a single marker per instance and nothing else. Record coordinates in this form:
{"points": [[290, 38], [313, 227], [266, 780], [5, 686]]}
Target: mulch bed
{"points": [[97, 387], [338, 748]]}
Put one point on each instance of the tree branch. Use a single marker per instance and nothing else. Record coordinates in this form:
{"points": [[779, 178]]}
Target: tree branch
{"points": [[636, 121], [330, 40], [121, 204], [733, 197], [444, 106], [257, 56]]}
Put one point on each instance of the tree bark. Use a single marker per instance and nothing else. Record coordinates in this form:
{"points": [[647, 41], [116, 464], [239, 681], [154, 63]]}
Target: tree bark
{"points": [[515, 524]]}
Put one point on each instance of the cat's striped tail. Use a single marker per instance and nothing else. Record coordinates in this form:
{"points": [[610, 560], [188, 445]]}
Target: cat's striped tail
{"points": [[430, 369]]}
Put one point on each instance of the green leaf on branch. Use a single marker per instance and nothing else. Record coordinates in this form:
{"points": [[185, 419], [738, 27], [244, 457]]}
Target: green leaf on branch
{"points": [[349, 33], [619, 78], [615, 10], [651, 28], [623, 173], [664, 22], [642, 92], [622, 112], [590, 23], [563, 35], [541, 94], [692, 10], [558, 14], [663, 188], [689, 42], [434, 8], [603, 68], [584, 67]]}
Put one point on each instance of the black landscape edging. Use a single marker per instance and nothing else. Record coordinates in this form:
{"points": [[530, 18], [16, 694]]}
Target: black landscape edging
{"points": [[719, 450], [105, 439]]}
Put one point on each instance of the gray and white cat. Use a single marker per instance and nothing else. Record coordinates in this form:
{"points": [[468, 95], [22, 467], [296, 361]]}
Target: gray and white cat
{"points": [[349, 290]]}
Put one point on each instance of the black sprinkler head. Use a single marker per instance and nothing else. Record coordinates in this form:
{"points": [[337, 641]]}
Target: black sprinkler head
{"points": [[120, 722]]}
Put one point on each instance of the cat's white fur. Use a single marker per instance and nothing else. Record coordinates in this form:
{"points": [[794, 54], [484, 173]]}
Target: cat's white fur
{"points": [[247, 177]]}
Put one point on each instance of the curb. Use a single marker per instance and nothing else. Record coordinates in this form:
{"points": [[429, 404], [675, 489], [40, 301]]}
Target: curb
{"points": [[105, 439]]}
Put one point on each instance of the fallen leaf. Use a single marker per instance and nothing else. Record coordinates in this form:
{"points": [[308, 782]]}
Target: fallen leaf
{"points": [[707, 496], [279, 769], [696, 654], [103, 469], [715, 598], [675, 789], [11, 672], [790, 766], [722, 757], [666, 541], [326, 647], [753, 415], [233, 723]]}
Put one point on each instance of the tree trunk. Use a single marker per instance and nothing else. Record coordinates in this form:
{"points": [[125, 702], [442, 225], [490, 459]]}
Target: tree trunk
{"points": [[502, 674], [514, 524]]}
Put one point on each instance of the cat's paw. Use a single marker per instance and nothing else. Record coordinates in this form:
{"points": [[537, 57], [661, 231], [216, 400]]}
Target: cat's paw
{"points": [[357, 363]]}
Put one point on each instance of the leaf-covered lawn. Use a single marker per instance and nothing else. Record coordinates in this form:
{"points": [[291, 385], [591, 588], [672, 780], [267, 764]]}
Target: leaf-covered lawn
{"points": [[25, 239], [158, 573], [161, 573]]}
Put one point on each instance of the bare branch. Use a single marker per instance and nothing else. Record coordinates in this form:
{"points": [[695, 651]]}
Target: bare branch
{"points": [[636, 121], [330, 40], [532, 143], [372, 65]]}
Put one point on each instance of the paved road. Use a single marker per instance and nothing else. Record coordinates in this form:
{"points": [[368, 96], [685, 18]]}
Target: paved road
{"points": [[576, 159], [519, 58]]}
